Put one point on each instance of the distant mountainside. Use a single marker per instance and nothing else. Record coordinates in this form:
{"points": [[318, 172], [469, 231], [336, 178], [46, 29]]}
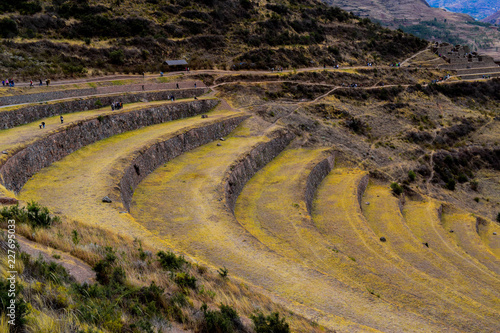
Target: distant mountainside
{"points": [[397, 12], [493, 19], [479, 9], [422, 20], [63, 37]]}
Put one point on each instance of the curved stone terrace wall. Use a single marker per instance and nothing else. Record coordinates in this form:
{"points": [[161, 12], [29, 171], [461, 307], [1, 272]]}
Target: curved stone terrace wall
{"points": [[158, 154], [68, 93], [316, 176], [16, 171], [31, 113], [256, 159]]}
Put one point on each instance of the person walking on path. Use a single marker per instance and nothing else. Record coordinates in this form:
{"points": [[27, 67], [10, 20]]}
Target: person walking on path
{"points": [[62, 119], [195, 84]]}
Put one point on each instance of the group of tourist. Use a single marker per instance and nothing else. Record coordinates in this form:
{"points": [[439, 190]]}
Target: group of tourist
{"points": [[444, 78], [42, 124], [8, 83], [116, 106], [11, 83]]}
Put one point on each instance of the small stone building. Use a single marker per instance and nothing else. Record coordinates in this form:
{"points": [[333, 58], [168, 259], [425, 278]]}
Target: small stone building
{"points": [[176, 65]]}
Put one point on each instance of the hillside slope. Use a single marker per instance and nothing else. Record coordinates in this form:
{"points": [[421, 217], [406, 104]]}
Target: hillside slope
{"points": [[493, 19], [435, 24], [64, 38]]}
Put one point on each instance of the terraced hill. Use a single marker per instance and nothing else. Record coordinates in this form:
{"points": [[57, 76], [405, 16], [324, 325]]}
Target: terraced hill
{"points": [[281, 182], [54, 38]]}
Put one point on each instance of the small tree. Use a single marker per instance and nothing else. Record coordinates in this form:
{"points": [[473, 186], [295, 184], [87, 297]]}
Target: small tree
{"points": [[396, 188]]}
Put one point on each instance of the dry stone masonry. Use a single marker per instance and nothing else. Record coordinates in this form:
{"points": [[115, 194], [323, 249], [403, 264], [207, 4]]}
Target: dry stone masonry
{"points": [[316, 176], [16, 171], [31, 113], [61, 94], [242, 171], [160, 153]]}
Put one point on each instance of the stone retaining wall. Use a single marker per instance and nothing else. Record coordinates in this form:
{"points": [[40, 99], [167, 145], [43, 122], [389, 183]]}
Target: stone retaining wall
{"points": [[316, 176], [478, 70], [363, 183], [16, 171], [31, 113], [68, 93], [243, 170], [158, 154]]}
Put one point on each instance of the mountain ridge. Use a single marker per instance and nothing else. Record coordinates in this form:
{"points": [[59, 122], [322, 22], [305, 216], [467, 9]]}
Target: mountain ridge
{"points": [[434, 24], [479, 9], [492, 19]]}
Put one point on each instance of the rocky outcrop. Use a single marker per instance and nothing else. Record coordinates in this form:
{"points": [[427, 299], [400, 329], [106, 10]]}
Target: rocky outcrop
{"points": [[31, 113], [158, 154], [256, 159], [16, 171], [69, 93], [316, 176]]}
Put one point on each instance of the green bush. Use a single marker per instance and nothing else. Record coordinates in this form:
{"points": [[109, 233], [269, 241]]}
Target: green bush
{"points": [[20, 305], [185, 280], [33, 214], [107, 272], [396, 188], [8, 28], [117, 57], [450, 185], [224, 320], [170, 261], [411, 175], [270, 324], [462, 178]]}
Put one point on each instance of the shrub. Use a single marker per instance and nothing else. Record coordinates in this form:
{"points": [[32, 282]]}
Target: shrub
{"points": [[185, 280], [21, 306], [462, 178], [170, 261], [411, 175], [396, 188], [8, 28], [474, 185], [98, 103], [270, 324], [223, 272], [33, 214], [450, 185], [117, 57], [106, 272], [224, 320], [44, 271]]}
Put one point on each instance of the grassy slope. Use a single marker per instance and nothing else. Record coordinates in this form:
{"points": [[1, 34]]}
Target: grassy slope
{"points": [[79, 189], [161, 207], [384, 216], [465, 235]]}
